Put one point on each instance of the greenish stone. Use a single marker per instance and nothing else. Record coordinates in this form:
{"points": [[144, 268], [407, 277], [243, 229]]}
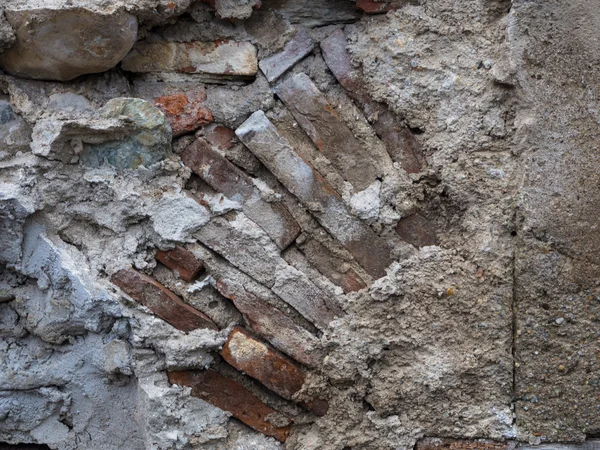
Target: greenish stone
{"points": [[148, 144]]}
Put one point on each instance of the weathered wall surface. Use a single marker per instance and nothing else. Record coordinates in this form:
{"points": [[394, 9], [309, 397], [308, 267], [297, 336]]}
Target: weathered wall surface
{"points": [[299, 224]]}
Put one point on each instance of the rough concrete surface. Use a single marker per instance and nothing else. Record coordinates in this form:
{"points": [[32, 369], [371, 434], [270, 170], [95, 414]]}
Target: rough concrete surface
{"points": [[392, 205]]}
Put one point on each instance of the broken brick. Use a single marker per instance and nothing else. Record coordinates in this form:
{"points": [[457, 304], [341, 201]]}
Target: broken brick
{"points": [[184, 112], [372, 7], [262, 138], [399, 142], [219, 136], [231, 396], [297, 48], [227, 59], [462, 444], [268, 321], [223, 176], [182, 261], [355, 162], [417, 230], [161, 301], [258, 360]]}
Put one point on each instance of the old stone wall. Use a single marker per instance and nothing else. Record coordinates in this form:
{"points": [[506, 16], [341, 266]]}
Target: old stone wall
{"points": [[268, 224]]}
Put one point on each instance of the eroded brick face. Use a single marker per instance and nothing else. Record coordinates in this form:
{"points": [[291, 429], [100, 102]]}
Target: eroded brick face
{"points": [[417, 230], [231, 396], [184, 111], [460, 444], [182, 261], [161, 301]]}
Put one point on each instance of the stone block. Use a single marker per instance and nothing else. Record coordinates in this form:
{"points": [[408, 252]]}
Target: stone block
{"points": [[15, 133], [62, 44], [264, 364], [184, 111], [234, 9], [354, 161], [182, 261], [271, 323], [262, 138], [417, 230], [228, 59], [296, 49], [161, 301], [231, 396], [314, 13], [223, 176]]}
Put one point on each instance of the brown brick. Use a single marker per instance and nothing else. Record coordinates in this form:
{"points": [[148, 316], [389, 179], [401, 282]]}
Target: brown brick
{"points": [[354, 161], [225, 59], [223, 176], [371, 7], [417, 230], [184, 111], [161, 301], [219, 136], [261, 362], [182, 261], [271, 323], [399, 142], [262, 138], [462, 444], [231, 396], [297, 48]]}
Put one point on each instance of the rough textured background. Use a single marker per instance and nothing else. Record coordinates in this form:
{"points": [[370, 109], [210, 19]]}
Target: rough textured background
{"points": [[493, 332]]}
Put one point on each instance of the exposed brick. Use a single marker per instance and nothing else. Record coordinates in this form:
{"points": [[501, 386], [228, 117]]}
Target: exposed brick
{"points": [[372, 7], [161, 301], [297, 48], [231, 396], [262, 138], [417, 230], [355, 162], [219, 136], [184, 112], [462, 444], [261, 362], [268, 321], [182, 261], [223, 176], [222, 58], [244, 244], [399, 142]]}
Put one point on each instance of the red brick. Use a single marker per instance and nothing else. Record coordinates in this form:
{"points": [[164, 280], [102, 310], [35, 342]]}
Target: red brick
{"points": [[462, 444], [268, 321], [184, 112], [275, 152], [161, 301], [231, 396], [355, 162], [417, 230], [225, 177], [371, 7], [182, 261], [399, 142], [219, 136], [261, 362], [352, 282]]}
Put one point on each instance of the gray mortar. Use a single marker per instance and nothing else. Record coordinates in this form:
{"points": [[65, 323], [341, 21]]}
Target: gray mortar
{"points": [[492, 334]]}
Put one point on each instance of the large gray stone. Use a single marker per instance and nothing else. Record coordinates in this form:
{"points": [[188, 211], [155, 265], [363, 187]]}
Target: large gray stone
{"points": [[61, 45]]}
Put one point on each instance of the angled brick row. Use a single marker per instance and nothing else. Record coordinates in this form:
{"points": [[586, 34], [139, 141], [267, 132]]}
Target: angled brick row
{"points": [[400, 143], [161, 301], [182, 261], [462, 444], [231, 396], [262, 138], [223, 176], [355, 162], [264, 364], [297, 48]]}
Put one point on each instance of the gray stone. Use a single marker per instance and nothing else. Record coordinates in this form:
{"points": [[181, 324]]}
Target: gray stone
{"points": [[148, 144], [297, 48], [15, 133], [262, 138], [235, 9], [54, 44]]}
